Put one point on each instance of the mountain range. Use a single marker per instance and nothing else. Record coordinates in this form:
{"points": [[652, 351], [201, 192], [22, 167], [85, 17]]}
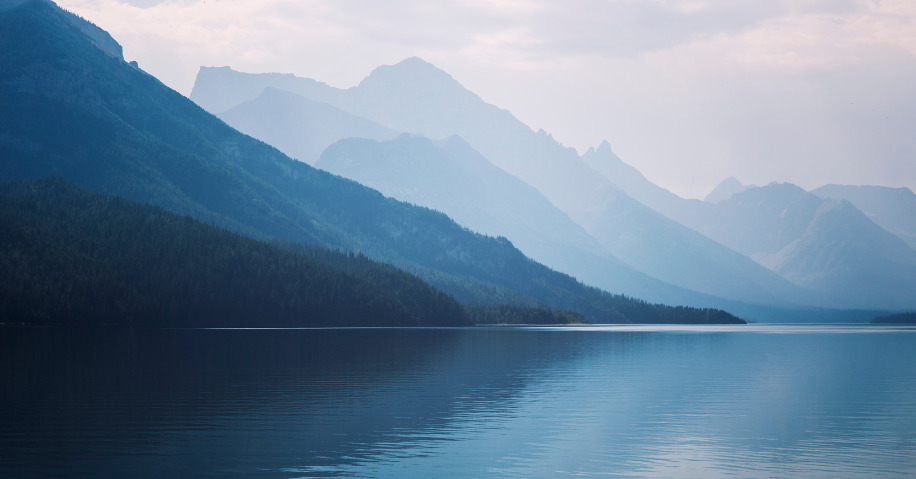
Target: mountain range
{"points": [[300, 127], [824, 246], [85, 115], [686, 245], [415, 97], [450, 176], [893, 209]]}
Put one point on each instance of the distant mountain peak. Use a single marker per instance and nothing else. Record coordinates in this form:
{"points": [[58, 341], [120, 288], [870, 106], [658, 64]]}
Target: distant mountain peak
{"points": [[725, 190], [416, 62], [609, 164], [894, 209], [411, 73], [603, 151], [784, 189], [228, 69]]}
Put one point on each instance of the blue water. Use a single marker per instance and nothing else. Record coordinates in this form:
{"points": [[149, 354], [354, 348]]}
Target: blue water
{"points": [[753, 401]]}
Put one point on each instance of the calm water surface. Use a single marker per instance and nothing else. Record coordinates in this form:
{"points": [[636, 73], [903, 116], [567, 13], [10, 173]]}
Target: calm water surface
{"points": [[754, 401]]}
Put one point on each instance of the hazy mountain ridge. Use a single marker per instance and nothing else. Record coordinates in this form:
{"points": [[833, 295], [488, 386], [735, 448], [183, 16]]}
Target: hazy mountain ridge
{"points": [[894, 209], [217, 89], [101, 123], [450, 176], [826, 245], [299, 127], [786, 229], [761, 220], [633, 183], [845, 253], [416, 97], [724, 190]]}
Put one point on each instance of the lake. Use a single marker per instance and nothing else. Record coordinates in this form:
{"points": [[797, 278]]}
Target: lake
{"points": [[757, 401]]}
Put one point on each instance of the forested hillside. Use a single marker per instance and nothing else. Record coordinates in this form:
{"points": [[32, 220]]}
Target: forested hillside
{"points": [[74, 257], [900, 318]]}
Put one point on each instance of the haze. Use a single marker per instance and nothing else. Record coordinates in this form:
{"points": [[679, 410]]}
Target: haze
{"points": [[805, 91]]}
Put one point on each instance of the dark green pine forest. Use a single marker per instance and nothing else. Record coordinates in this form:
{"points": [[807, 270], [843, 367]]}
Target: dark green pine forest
{"points": [[507, 314], [74, 109], [75, 257], [899, 318]]}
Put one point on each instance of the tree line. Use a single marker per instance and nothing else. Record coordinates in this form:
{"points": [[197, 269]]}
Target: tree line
{"points": [[75, 257]]}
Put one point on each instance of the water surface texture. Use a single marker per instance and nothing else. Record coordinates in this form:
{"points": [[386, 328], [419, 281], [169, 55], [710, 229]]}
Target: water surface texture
{"points": [[705, 402]]}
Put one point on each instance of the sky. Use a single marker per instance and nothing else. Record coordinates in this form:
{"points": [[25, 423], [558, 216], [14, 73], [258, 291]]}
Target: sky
{"points": [[690, 92]]}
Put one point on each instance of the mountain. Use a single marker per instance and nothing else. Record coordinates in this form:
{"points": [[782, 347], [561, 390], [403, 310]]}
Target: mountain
{"points": [[724, 190], [100, 38], [686, 212], [633, 183], [450, 176], [894, 209], [299, 127], [827, 246], [761, 220], [845, 254], [447, 176], [218, 89], [665, 244], [75, 257], [92, 119], [414, 96]]}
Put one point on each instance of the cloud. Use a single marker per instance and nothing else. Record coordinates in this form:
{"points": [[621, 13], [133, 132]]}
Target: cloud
{"points": [[517, 32]]}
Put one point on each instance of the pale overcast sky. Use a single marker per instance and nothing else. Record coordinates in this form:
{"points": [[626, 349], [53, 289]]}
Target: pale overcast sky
{"points": [[688, 91]]}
